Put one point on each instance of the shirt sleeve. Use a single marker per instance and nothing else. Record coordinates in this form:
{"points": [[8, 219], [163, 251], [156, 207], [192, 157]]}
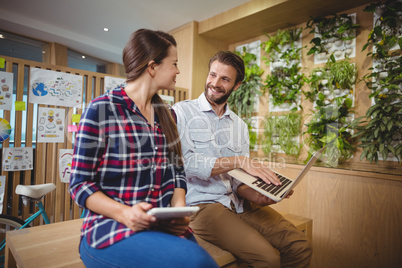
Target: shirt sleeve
{"points": [[88, 149], [196, 164], [245, 151]]}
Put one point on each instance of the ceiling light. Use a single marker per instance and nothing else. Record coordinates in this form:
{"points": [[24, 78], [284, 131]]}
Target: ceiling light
{"points": [[83, 56], [106, 29]]}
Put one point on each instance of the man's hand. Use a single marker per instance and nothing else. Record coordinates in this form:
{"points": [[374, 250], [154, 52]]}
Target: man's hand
{"points": [[252, 195], [257, 169]]}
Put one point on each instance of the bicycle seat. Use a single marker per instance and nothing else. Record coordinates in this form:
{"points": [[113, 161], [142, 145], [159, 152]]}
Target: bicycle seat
{"points": [[35, 191]]}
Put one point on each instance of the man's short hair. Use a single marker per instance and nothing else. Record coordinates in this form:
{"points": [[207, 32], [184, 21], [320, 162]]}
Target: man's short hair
{"points": [[232, 59]]}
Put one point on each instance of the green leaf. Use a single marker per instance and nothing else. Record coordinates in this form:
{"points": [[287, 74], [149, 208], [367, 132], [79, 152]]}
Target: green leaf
{"points": [[376, 131], [390, 125], [372, 109], [381, 148]]}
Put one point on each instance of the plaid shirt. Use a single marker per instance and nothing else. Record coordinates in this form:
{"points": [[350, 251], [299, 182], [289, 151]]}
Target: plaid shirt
{"points": [[119, 153]]}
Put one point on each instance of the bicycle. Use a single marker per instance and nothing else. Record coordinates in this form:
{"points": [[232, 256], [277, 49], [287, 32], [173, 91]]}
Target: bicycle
{"points": [[28, 193]]}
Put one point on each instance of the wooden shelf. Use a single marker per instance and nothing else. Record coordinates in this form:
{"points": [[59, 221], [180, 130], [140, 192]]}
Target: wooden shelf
{"points": [[258, 17], [387, 170]]}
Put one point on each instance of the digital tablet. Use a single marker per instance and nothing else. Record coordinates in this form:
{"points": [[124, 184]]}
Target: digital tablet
{"points": [[172, 212]]}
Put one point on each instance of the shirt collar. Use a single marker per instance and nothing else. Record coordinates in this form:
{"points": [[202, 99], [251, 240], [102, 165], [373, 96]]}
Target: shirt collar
{"points": [[205, 106], [119, 96]]}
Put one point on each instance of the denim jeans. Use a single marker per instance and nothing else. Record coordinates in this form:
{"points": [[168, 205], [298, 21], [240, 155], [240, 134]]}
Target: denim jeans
{"points": [[148, 249]]}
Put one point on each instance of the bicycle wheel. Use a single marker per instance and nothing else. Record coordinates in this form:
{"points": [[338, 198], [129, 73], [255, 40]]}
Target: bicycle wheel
{"points": [[7, 223]]}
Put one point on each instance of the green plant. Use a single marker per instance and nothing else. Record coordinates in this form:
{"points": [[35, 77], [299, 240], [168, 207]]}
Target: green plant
{"points": [[285, 82], [379, 131], [342, 73], [284, 85], [386, 32], [242, 100], [315, 81], [339, 27], [252, 134], [282, 131], [337, 75], [273, 46], [329, 127]]}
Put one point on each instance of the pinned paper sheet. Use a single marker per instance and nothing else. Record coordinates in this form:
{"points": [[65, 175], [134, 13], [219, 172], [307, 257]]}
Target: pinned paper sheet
{"points": [[65, 159], [50, 125], [6, 90], [2, 188], [55, 88], [17, 158], [72, 128], [20, 105], [2, 62], [76, 118]]}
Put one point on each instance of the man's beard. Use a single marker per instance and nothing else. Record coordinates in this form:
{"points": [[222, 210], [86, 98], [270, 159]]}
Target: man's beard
{"points": [[219, 100]]}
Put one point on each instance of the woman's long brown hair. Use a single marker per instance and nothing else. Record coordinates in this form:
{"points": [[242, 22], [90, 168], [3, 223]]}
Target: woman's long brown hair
{"points": [[145, 46]]}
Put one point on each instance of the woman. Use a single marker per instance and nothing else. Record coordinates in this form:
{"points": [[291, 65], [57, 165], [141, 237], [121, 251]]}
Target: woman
{"points": [[127, 159]]}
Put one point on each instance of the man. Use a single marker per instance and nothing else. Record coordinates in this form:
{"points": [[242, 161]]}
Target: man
{"points": [[215, 141]]}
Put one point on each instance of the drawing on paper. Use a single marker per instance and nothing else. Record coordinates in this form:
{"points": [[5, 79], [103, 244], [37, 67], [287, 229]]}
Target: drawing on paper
{"points": [[5, 129], [65, 160], [17, 158], [114, 83], [50, 124], [55, 88], [2, 189], [6, 90]]}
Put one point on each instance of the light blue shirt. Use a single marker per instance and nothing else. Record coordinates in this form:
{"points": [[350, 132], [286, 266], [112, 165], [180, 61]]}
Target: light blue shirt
{"points": [[204, 138]]}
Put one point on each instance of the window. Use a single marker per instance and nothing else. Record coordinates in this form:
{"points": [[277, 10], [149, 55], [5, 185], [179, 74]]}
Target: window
{"points": [[76, 60], [15, 46]]}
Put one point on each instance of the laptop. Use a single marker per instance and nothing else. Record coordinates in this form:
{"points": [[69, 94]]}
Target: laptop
{"points": [[274, 192]]}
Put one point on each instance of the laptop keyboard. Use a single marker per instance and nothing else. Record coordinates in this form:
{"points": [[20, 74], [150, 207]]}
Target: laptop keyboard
{"points": [[272, 188]]}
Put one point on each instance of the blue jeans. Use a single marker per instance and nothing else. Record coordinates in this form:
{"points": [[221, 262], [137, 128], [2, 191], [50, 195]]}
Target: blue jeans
{"points": [[150, 249]]}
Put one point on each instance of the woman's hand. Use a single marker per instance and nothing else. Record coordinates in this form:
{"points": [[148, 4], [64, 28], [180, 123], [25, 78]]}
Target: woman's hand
{"points": [[136, 217], [176, 226]]}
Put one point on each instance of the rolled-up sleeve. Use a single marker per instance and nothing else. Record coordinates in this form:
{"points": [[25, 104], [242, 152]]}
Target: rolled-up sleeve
{"points": [[180, 178]]}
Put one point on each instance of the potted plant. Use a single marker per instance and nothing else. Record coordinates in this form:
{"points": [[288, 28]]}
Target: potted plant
{"points": [[284, 55], [327, 84], [387, 31], [282, 41], [329, 128], [330, 31], [342, 73], [282, 132], [379, 131]]}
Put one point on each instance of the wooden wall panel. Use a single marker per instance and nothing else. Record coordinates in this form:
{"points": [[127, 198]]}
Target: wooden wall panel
{"points": [[194, 53], [185, 43]]}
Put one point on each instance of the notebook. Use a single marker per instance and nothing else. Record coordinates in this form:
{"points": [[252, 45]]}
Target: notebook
{"points": [[274, 192]]}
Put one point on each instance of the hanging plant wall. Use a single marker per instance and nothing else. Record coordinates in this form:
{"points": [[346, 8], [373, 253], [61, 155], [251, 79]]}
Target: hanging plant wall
{"points": [[332, 83], [331, 91], [380, 130], [243, 100], [333, 35], [283, 51], [282, 134]]}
